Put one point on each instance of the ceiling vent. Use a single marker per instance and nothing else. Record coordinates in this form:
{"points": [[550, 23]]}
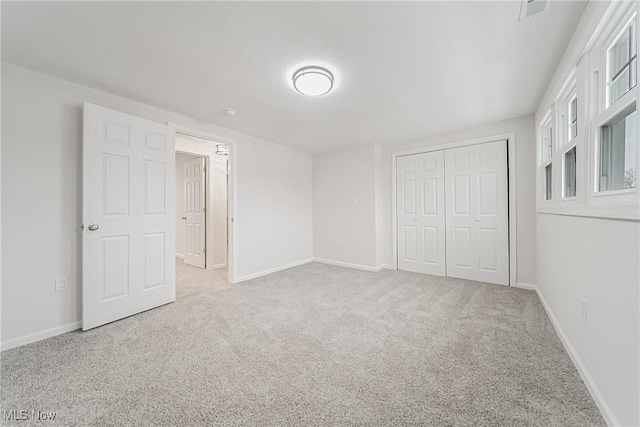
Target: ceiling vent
{"points": [[531, 8]]}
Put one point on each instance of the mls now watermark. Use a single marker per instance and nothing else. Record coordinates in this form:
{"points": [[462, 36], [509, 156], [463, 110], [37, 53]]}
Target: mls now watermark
{"points": [[27, 415]]}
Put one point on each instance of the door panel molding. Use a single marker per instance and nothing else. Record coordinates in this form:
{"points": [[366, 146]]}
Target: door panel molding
{"points": [[195, 202], [128, 214]]}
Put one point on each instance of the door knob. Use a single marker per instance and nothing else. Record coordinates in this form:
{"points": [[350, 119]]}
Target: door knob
{"points": [[184, 217], [93, 227]]}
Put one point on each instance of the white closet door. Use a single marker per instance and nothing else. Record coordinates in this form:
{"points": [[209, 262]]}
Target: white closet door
{"points": [[194, 198], [128, 240], [477, 213], [421, 213]]}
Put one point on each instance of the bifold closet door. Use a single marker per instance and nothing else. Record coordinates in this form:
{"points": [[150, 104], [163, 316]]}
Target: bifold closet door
{"points": [[477, 226], [421, 213]]}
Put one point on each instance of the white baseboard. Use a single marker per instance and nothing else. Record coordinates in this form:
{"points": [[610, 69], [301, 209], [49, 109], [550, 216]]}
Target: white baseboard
{"points": [[271, 270], [181, 256], [597, 396], [356, 266], [526, 286], [39, 336], [220, 266], [306, 261]]}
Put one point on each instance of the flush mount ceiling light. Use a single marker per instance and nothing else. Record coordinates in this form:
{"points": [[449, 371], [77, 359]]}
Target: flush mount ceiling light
{"points": [[313, 81]]}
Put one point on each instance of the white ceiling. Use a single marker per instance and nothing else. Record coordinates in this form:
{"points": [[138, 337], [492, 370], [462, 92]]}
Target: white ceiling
{"points": [[403, 70]]}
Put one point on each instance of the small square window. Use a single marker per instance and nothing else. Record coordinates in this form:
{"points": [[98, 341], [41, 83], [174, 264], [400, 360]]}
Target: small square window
{"points": [[548, 182], [570, 173], [617, 169], [623, 62], [573, 118]]}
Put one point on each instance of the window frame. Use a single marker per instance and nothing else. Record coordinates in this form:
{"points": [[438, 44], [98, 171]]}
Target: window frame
{"points": [[605, 121], [564, 173], [572, 99], [547, 151], [567, 95], [623, 203], [586, 79], [616, 35]]}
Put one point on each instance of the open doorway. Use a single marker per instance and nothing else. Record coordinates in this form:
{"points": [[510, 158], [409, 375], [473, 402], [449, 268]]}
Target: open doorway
{"points": [[201, 202]]}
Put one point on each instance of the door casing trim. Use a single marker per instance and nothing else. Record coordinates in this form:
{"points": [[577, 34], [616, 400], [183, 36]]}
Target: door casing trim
{"points": [[231, 189]]}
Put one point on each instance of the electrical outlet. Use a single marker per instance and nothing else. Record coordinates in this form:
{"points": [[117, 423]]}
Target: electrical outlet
{"points": [[583, 306], [61, 284]]}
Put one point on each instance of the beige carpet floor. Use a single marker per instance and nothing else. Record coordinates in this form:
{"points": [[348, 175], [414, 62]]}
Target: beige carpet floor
{"points": [[312, 345]]}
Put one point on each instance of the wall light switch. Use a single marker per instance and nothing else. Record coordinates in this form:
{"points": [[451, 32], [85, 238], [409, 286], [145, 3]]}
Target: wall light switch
{"points": [[583, 309], [61, 284]]}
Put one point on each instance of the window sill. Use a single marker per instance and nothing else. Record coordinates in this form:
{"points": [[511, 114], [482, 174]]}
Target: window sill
{"points": [[627, 212]]}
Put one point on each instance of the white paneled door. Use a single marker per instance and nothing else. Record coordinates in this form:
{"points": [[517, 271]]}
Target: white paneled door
{"points": [[128, 192], [477, 212], [421, 213], [452, 213], [194, 197]]}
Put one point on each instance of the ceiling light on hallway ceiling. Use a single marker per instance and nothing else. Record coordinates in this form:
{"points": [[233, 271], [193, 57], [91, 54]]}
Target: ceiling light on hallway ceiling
{"points": [[313, 81], [230, 111], [222, 149]]}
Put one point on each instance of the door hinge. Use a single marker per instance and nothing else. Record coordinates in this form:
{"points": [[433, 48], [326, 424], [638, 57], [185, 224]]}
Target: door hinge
{"points": [[204, 210], [204, 169], [204, 250]]}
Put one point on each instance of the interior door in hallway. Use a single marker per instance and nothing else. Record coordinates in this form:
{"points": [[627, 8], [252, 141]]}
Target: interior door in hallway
{"points": [[421, 213], [194, 199], [477, 221], [128, 236]]}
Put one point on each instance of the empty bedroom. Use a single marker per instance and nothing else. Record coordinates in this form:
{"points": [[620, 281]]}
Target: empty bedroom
{"points": [[320, 213]]}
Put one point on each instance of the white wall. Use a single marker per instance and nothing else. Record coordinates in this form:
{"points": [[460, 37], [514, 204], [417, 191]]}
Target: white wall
{"points": [[275, 209], [344, 206], [218, 165], [41, 191], [596, 259], [380, 179], [364, 172]]}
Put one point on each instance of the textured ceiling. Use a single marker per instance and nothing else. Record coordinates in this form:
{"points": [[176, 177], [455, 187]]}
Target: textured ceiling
{"points": [[403, 70]]}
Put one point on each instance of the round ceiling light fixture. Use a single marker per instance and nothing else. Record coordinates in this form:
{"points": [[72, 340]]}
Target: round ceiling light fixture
{"points": [[313, 81]]}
